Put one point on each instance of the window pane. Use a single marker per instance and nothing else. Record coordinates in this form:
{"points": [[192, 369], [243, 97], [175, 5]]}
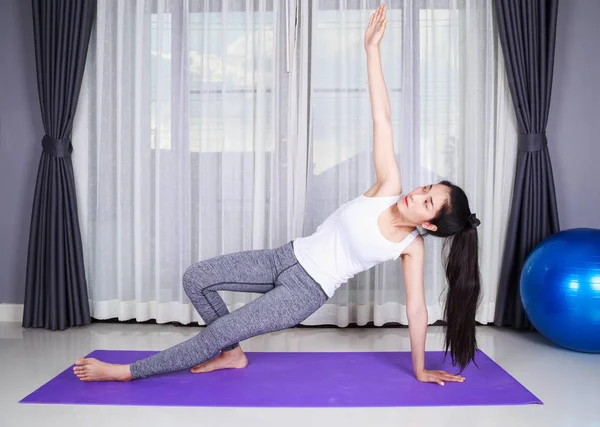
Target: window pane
{"points": [[438, 85], [341, 112], [226, 67], [230, 77], [160, 78]]}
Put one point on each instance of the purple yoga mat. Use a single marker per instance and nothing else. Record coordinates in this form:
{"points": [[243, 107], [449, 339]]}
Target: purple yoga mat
{"points": [[375, 379]]}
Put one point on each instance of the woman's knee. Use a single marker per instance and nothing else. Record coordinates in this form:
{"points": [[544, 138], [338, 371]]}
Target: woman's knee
{"points": [[193, 279]]}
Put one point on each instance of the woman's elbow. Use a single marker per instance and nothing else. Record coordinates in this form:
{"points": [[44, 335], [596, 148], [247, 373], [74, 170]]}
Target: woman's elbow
{"points": [[382, 117], [416, 311]]}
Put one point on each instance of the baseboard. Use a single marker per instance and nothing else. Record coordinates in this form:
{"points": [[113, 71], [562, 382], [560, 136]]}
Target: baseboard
{"points": [[11, 312]]}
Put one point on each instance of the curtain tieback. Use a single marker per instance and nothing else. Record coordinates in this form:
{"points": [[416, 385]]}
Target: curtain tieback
{"points": [[531, 142], [57, 147]]}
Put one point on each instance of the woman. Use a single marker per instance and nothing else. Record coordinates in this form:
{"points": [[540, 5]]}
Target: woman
{"points": [[298, 278]]}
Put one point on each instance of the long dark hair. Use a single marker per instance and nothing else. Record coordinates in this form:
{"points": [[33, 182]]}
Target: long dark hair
{"points": [[458, 226]]}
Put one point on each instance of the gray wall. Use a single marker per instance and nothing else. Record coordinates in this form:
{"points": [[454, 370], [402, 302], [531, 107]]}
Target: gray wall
{"points": [[573, 129], [21, 133], [574, 123]]}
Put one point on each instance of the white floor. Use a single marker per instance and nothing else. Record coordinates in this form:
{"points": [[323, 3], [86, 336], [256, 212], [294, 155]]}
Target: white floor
{"points": [[567, 382]]}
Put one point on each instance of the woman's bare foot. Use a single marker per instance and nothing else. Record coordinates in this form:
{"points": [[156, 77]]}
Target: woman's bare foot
{"points": [[234, 359], [93, 370]]}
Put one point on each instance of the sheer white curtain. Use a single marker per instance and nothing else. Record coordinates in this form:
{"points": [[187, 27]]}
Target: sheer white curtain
{"points": [[209, 127], [452, 120], [187, 135]]}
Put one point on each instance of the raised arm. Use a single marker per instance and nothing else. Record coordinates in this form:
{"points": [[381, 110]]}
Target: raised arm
{"points": [[386, 166], [416, 311]]}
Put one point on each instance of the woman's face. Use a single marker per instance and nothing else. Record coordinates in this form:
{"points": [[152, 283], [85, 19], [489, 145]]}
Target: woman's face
{"points": [[423, 203]]}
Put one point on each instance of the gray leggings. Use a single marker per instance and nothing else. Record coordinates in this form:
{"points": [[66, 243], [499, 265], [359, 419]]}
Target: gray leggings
{"points": [[290, 296]]}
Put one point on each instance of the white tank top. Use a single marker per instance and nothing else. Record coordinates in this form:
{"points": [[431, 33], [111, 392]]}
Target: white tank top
{"points": [[348, 242]]}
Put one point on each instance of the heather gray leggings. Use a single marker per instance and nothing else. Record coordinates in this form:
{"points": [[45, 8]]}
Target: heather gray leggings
{"points": [[290, 296]]}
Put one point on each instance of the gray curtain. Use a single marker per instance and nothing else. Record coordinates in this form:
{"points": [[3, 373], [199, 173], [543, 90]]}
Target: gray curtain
{"points": [[55, 290], [527, 30]]}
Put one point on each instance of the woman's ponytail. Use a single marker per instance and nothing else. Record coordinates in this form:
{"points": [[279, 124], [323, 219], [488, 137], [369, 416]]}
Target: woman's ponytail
{"points": [[458, 225], [462, 298]]}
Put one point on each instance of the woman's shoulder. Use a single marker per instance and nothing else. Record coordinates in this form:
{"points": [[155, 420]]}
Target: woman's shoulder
{"points": [[416, 248], [386, 189]]}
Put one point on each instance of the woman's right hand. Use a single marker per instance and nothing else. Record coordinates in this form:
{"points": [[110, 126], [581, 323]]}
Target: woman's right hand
{"points": [[376, 28], [438, 377]]}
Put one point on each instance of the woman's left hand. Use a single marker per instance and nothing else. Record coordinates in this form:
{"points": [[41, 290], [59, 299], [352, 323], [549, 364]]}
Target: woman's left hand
{"points": [[376, 28], [438, 377]]}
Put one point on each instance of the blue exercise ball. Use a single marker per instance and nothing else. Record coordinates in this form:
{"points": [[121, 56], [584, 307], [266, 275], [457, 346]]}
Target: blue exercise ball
{"points": [[560, 289]]}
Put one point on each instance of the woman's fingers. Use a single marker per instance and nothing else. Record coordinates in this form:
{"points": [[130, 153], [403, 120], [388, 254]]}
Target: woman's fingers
{"points": [[435, 379], [449, 377], [378, 16], [381, 19], [382, 9]]}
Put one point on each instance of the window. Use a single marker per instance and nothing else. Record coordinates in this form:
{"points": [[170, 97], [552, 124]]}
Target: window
{"points": [[439, 68], [228, 64], [341, 114], [341, 108]]}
